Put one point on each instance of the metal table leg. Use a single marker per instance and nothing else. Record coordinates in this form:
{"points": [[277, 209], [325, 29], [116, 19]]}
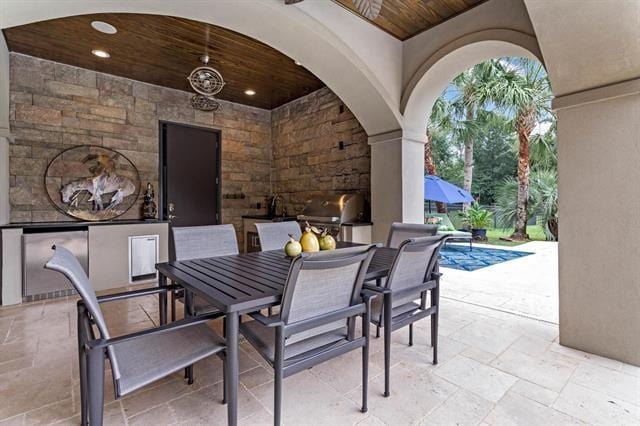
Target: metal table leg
{"points": [[162, 299], [231, 327], [387, 301], [188, 312]]}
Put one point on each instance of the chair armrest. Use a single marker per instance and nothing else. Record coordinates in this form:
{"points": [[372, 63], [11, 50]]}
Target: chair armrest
{"points": [[415, 289], [137, 293], [376, 289], [308, 324], [369, 294], [266, 321], [103, 343]]}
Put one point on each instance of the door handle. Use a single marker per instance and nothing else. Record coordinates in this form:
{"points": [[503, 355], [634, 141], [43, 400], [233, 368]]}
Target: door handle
{"points": [[172, 209]]}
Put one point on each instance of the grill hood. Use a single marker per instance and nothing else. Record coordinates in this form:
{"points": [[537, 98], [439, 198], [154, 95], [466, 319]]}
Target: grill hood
{"points": [[343, 208]]}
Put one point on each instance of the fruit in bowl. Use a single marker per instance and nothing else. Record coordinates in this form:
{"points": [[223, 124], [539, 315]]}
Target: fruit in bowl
{"points": [[293, 248]]}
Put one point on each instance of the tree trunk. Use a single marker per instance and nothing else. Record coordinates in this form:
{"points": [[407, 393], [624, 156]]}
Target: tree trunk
{"points": [[430, 167], [468, 160], [525, 123]]}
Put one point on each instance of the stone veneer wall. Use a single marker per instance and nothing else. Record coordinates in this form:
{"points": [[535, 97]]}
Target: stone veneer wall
{"points": [[307, 160], [55, 106], [292, 150]]}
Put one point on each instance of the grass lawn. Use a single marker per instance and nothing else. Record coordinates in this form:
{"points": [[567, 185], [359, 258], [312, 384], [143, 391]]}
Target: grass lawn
{"points": [[536, 233]]}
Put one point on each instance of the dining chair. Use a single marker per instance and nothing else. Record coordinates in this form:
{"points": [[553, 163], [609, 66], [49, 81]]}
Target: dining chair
{"points": [[321, 300], [136, 359], [400, 232], [196, 242], [413, 274], [274, 235]]}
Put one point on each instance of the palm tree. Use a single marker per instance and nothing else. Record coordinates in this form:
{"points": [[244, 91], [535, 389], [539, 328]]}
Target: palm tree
{"points": [[542, 150], [466, 105], [523, 90], [439, 121]]}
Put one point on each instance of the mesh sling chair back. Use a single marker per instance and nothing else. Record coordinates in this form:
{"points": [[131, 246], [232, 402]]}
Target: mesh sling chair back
{"points": [[320, 302], [400, 232], [136, 359], [413, 275], [274, 235], [197, 242]]}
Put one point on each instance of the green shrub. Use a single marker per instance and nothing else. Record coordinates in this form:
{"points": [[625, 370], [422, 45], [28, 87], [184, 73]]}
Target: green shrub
{"points": [[477, 217]]}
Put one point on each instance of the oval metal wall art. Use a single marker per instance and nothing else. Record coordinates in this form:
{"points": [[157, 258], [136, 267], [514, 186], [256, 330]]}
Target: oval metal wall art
{"points": [[92, 183]]}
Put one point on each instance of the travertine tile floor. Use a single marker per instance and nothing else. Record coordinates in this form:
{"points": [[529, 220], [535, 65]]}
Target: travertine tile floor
{"points": [[526, 286], [495, 368]]}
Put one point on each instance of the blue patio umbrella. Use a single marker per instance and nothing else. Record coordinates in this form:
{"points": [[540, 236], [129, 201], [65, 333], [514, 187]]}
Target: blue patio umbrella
{"points": [[436, 189]]}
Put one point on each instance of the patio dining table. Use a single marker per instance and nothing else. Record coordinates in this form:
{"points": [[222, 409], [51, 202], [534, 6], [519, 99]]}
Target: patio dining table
{"points": [[244, 283]]}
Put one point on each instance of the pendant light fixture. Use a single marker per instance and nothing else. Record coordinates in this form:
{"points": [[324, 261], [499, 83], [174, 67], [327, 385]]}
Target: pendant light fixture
{"points": [[206, 82]]}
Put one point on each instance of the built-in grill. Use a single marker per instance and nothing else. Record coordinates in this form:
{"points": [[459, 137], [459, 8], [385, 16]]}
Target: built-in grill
{"points": [[331, 212]]}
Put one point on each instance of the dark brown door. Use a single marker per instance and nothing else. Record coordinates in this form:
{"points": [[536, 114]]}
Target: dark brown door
{"points": [[190, 164]]}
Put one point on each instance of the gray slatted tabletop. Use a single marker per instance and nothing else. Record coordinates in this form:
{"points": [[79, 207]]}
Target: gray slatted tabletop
{"points": [[246, 282], [240, 284]]}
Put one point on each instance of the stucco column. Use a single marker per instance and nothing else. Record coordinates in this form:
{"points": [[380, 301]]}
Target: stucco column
{"points": [[397, 176], [599, 210], [4, 131]]}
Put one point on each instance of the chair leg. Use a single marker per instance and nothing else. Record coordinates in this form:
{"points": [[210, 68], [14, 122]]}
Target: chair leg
{"points": [[277, 382], [411, 334], [189, 371], [84, 421], [435, 301], [82, 368], [96, 385], [365, 363], [224, 380], [173, 306], [387, 342], [377, 332]]}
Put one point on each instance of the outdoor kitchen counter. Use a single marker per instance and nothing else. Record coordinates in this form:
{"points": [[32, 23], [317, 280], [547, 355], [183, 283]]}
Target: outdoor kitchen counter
{"points": [[267, 217], [75, 224], [108, 245]]}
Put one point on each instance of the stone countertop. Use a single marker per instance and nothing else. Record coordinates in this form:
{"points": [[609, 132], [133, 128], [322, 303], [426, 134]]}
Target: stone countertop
{"points": [[77, 224], [267, 217]]}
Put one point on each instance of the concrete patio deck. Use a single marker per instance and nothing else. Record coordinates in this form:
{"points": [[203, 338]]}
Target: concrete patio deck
{"points": [[525, 286], [495, 368]]}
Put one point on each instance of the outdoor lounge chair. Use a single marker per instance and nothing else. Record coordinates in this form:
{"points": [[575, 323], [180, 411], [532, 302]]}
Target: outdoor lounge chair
{"points": [[320, 303], [274, 236], [447, 228], [413, 274], [136, 359]]}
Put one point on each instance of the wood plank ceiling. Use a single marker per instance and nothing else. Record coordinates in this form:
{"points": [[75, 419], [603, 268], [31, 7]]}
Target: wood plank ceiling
{"points": [[404, 19], [163, 50]]}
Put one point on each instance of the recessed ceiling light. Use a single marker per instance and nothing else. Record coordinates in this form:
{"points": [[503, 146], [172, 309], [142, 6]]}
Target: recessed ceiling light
{"points": [[249, 92], [104, 27], [101, 53]]}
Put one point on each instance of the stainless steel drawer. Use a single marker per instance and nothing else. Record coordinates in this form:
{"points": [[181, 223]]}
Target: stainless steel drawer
{"points": [[36, 248]]}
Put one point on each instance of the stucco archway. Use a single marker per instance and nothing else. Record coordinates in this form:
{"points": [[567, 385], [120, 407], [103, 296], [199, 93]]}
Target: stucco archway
{"points": [[285, 28], [433, 76]]}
